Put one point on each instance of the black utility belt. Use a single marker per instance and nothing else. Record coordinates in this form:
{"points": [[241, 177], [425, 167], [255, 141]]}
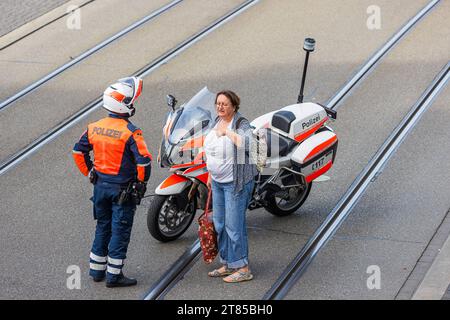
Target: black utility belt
{"points": [[112, 184], [133, 193]]}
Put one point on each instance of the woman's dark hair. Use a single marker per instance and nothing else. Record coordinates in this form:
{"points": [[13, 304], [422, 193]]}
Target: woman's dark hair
{"points": [[233, 97]]}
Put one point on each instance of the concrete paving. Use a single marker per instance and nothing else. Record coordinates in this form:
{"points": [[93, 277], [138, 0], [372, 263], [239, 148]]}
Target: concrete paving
{"points": [[447, 294], [17, 13], [424, 264], [258, 54], [435, 283]]}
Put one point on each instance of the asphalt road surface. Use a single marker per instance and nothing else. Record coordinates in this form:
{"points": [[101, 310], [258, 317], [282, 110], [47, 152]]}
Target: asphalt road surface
{"points": [[46, 215]]}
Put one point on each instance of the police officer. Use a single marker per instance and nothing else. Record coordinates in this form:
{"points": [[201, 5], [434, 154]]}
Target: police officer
{"points": [[120, 171]]}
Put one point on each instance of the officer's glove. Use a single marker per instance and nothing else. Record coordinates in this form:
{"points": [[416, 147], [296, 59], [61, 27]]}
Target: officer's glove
{"points": [[141, 187], [93, 176], [138, 191]]}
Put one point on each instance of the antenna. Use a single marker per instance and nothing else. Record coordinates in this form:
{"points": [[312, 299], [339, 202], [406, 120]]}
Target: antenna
{"points": [[308, 46]]}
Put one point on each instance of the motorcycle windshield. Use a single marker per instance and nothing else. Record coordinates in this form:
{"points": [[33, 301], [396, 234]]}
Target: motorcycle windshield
{"points": [[196, 118]]}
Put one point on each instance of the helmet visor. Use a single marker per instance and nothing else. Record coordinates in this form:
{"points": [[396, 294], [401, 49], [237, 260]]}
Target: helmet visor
{"points": [[136, 85]]}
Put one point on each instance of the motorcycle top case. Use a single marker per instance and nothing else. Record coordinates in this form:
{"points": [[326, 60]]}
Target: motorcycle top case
{"points": [[315, 156]]}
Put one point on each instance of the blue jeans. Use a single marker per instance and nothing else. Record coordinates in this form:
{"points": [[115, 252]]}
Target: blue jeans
{"points": [[229, 221], [112, 233]]}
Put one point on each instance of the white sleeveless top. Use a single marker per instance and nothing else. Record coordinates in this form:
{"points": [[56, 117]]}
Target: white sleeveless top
{"points": [[219, 156]]}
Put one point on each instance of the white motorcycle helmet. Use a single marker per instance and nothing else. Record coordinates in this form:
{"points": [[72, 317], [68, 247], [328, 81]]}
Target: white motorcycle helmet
{"points": [[119, 97]]}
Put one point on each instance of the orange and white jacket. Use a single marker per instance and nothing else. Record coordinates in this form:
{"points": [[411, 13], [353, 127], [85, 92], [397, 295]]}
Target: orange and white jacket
{"points": [[120, 152]]}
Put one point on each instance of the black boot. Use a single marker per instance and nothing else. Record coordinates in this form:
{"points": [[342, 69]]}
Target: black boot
{"points": [[122, 281], [99, 279]]}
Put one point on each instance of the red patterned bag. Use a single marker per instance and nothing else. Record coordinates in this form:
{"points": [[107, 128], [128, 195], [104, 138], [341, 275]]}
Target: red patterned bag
{"points": [[207, 233]]}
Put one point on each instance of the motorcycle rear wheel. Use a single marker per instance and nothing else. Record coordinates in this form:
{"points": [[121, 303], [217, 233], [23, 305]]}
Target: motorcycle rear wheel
{"points": [[163, 216], [283, 208]]}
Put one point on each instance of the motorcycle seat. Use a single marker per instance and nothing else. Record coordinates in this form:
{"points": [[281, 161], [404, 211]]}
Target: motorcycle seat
{"points": [[278, 145]]}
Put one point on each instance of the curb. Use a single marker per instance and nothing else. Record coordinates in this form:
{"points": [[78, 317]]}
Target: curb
{"points": [[38, 23]]}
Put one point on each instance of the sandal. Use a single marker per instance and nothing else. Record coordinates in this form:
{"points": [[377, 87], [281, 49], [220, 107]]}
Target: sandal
{"points": [[217, 273], [239, 276]]}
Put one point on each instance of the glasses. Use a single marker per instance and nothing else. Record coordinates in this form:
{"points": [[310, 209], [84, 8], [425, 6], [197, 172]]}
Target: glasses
{"points": [[221, 104]]}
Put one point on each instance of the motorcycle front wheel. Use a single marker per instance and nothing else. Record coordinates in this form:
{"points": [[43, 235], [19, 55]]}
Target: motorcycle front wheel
{"points": [[168, 217]]}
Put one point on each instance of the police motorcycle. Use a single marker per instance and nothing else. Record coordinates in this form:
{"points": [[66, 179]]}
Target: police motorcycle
{"points": [[299, 148]]}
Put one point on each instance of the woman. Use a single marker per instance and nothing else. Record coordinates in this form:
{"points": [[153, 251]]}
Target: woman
{"points": [[231, 177]]}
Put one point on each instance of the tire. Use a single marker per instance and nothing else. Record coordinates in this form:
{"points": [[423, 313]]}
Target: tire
{"points": [[274, 207], [157, 221]]}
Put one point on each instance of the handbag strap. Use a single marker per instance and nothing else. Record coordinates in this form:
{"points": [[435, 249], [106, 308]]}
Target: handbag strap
{"points": [[208, 202]]}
